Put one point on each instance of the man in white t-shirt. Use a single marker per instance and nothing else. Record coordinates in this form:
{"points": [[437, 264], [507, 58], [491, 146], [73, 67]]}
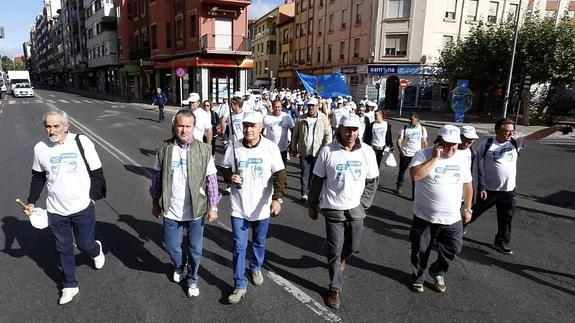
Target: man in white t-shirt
{"points": [[203, 122], [346, 177], [276, 127], [411, 138], [497, 176], [70, 167], [184, 189], [442, 178], [255, 166]]}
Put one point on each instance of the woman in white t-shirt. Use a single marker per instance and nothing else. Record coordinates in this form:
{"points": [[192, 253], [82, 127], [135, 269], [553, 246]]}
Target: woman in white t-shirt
{"points": [[378, 136]]}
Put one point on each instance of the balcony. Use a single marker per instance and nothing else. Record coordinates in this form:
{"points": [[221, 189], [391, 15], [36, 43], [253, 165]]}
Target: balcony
{"points": [[225, 44], [230, 3]]}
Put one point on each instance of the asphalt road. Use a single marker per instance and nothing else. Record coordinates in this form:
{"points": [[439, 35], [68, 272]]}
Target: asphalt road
{"points": [[537, 283]]}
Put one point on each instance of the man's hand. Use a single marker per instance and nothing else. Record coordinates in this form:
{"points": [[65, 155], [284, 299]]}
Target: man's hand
{"points": [[28, 209], [275, 208], [466, 216], [312, 212], [156, 211], [437, 150], [237, 179], [212, 216], [483, 195]]}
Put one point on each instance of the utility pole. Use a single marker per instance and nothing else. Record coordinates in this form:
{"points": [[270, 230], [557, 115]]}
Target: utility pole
{"points": [[515, 36]]}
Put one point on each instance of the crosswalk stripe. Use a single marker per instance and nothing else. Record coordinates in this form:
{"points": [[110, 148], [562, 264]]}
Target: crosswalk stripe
{"points": [[63, 101], [12, 102], [50, 101], [76, 101], [99, 102], [88, 101]]}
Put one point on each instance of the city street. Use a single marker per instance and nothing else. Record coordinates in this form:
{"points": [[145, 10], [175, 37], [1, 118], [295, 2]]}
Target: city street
{"points": [[537, 283]]}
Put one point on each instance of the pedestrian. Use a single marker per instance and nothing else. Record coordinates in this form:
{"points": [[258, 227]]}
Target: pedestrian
{"points": [[203, 123], [379, 137], [468, 137], [442, 176], [497, 177], [277, 124], [214, 120], [255, 167], [70, 167], [184, 169], [364, 122], [411, 138], [345, 176], [312, 132], [160, 99]]}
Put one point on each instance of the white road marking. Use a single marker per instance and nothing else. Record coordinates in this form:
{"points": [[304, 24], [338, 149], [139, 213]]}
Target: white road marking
{"points": [[76, 101], [50, 101], [110, 113], [88, 101], [63, 101], [12, 102]]}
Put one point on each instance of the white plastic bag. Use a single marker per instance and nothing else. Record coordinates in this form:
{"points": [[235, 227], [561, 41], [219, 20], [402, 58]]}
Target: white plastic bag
{"points": [[390, 161], [39, 218]]}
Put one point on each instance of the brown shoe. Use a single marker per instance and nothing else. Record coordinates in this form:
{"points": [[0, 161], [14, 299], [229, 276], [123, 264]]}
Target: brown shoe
{"points": [[333, 298]]}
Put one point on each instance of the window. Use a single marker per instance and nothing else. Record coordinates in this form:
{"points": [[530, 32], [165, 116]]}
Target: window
{"points": [[285, 36], [168, 35], [145, 39], [302, 29], [358, 13], [310, 27], [193, 29], [285, 58], [330, 23], [342, 49], [301, 57], [319, 26], [179, 29], [303, 5], [356, 44], [450, 8], [321, 3], [396, 45], [343, 20], [318, 54], [154, 36], [271, 47], [492, 14], [447, 40], [472, 10], [329, 53], [309, 53], [296, 30], [398, 8], [512, 10]]}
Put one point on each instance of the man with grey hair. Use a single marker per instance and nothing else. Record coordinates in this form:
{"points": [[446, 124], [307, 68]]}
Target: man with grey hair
{"points": [[69, 166]]}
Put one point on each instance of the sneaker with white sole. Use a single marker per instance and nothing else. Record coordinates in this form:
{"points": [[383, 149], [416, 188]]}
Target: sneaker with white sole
{"points": [[438, 281], [177, 277], [257, 277], [417, 287], [100, 259], [304, 198], [237, 295], [68, 294], [193, 290]]}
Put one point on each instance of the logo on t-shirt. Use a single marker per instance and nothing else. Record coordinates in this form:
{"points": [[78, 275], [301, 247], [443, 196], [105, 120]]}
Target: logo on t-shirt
{"points": [[353, 166], [450, 174], [66, 163], [253, 166], [505, 153]]}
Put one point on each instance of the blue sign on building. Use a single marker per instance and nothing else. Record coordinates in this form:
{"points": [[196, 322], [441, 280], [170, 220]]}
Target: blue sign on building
{"points": [[381, 69]]}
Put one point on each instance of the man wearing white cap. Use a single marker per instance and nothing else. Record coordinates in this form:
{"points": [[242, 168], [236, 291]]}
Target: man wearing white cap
{"points": [[442, 177], [276, 127], [346, 176], [336, 114], [468, 136], [255, 166], [203, 126]]}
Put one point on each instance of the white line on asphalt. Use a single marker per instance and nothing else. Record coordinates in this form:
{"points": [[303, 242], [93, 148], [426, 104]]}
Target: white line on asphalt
{"points": [[76, 101], [38, 96], [88, 101], [294, 291], [63, 101], [12, 102], [50, 101]]}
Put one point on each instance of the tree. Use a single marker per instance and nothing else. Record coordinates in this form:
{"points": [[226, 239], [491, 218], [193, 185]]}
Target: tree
{"points": [[545, 51]]}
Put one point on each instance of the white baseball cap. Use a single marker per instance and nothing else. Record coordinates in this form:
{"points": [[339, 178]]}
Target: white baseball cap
{"points": [[194, 97], [185, 102], [312, 101], [469, 132], [350, 120], [237, 94], [450, 134], [252, 117], [371, 104]]}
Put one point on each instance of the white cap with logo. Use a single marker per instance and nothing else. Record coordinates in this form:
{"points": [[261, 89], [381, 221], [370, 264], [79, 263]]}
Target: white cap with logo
{"points": [[469, 132], [194, 97], [350, 120], [450, 134], [252, 117], [312, 101]]}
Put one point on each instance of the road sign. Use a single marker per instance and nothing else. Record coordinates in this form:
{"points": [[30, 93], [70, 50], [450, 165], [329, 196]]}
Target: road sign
{"points": [[403, 84], [180, 72]]}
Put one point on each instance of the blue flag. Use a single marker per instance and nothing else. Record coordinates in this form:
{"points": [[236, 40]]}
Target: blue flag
{"points": [[327, 86]]}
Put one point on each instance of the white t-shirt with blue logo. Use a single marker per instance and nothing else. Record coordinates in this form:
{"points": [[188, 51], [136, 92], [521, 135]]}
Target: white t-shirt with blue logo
{"points": [[276, 129], [345, 173], [256, 165], [500, 165], [67, 179], [412, 138], [438, 195]]}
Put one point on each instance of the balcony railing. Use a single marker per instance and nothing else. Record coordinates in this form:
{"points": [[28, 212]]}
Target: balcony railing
{"points": [[231, 3], [225, 43]]}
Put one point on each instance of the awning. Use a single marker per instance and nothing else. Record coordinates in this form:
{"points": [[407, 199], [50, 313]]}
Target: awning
{"points": [[206, 62], [130, 69]]}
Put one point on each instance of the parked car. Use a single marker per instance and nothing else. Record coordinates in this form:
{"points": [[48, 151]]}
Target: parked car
{"points": [[22, 90]]}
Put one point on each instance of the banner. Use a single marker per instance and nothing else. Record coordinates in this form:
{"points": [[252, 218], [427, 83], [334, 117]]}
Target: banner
{"points": [[327, 86]]}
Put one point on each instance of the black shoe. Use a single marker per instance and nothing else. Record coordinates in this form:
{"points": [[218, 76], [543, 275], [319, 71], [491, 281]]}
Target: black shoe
{"points": [[502, 246], [398, 190]]}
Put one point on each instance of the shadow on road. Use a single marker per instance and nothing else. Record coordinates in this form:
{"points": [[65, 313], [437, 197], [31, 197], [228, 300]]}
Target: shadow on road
{"points": [[148, 152], [140, 170], [483, 257]]}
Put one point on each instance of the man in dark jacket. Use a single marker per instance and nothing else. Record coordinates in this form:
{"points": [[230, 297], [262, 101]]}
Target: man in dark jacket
{"points": [[160, 99]]}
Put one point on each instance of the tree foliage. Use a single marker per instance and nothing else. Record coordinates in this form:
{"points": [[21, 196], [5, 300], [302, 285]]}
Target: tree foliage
{"points": [[545, 51], [8, 64]]}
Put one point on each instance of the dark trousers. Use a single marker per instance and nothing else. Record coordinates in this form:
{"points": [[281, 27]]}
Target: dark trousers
{"points": [[505, 204], [306, 165], [81, 226], [378, 156], [284, 157], [161, 116], [343, 239], [422, 234], [404, 162]]}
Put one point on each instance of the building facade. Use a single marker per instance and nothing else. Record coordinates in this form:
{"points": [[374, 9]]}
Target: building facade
{"points": [[286, 77]]}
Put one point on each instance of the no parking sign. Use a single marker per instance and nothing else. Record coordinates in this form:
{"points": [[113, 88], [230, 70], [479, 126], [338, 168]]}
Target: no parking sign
{"points": [[180, 72]]}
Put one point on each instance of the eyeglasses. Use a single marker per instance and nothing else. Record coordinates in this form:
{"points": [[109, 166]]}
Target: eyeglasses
{"points": [[206, 105]]}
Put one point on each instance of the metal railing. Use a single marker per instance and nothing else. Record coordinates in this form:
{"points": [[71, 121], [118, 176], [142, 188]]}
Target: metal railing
{"points": [[228, 43]]}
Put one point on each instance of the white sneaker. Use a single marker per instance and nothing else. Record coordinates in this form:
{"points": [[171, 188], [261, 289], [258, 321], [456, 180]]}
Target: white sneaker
{"points": [[177, 276], [68, 294], [304, 198], [100, 259], [193, 290], [229, 189]]}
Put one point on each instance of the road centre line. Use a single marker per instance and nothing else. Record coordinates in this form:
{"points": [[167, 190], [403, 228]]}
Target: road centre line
{"points": [[287, 286]]}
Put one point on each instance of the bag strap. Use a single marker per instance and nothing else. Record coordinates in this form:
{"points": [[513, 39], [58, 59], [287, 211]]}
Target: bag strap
{"points": [[82, 152], [488, 144]]}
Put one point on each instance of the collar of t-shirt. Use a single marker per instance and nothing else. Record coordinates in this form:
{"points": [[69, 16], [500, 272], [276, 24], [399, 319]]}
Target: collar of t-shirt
{"points": [[254, 146]]}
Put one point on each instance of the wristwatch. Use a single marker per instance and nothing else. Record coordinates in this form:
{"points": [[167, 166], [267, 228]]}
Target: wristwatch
{"points": [[214, 209], [280, 201], [470, 211]]}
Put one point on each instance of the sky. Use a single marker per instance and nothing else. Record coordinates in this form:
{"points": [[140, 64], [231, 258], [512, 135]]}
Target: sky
{"points": [[17, 20]]}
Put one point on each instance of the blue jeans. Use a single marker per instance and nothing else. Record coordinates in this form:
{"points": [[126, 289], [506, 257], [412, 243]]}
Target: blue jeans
{"points": [[173, 237], [306, 165], [240, 229], [82, 226]]}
